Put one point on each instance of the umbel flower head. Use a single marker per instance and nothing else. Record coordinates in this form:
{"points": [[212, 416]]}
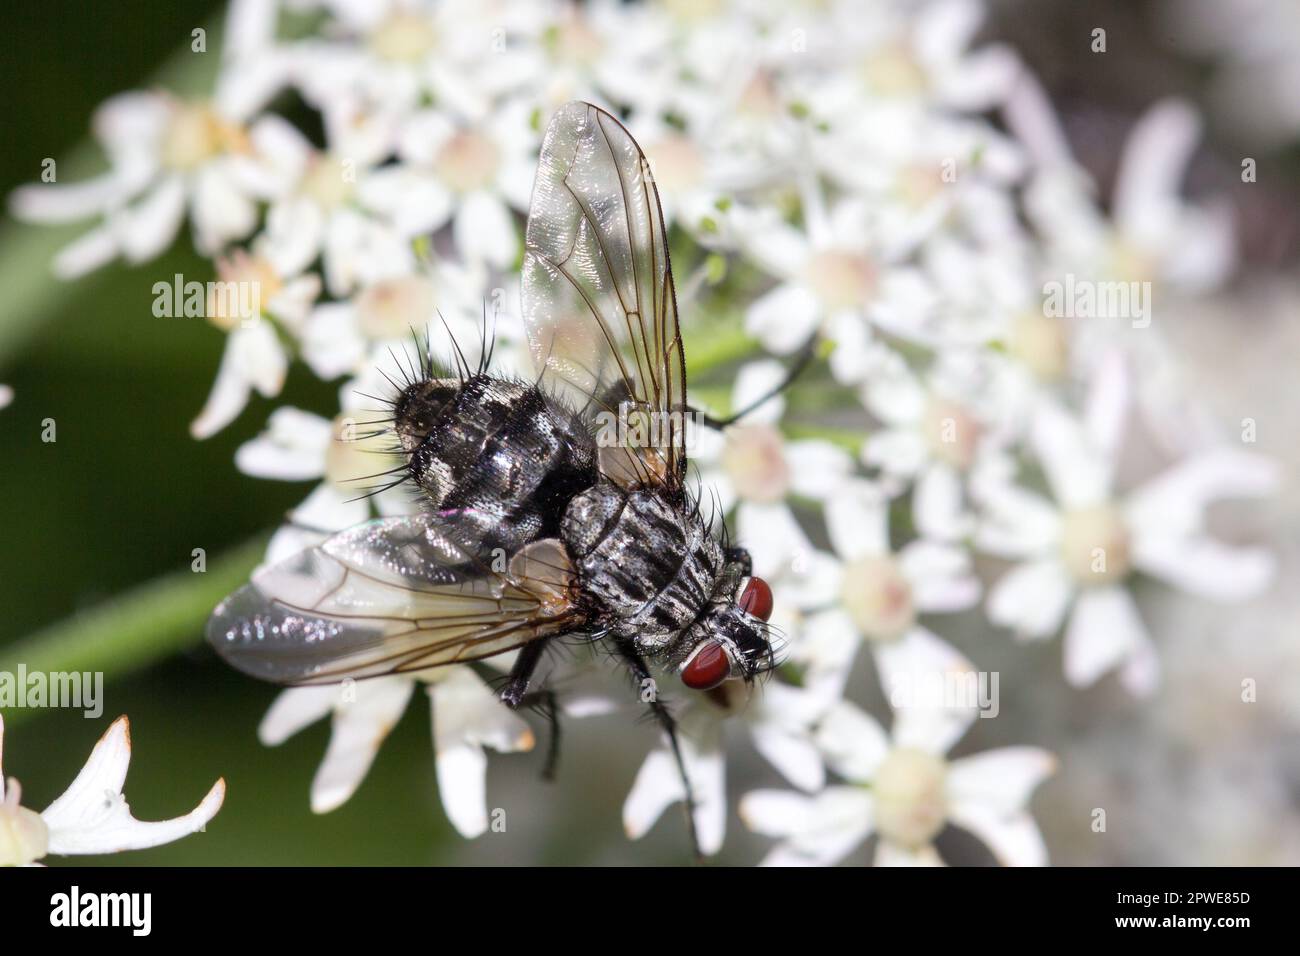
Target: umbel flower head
{"points": [[92, 816]]}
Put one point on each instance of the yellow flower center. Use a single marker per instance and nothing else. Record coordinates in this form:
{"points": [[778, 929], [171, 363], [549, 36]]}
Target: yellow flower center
{"points": [[952, 433], [196, 133], [694, 11], [391, 308], [468, 161], [1095, 544], [842, 280], [246, 283], [573, 40], [910, 796], [1040, 342], [327, 181], [754, 459], [893, 71], [403, 38], [878, 598], [920, 183], [760, 99], [676, 164]]}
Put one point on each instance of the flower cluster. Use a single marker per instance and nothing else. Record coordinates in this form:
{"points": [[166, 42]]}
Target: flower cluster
{"points": [[851, 179]]}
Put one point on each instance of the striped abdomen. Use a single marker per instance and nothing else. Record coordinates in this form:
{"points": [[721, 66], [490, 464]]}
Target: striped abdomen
{"points": [[647, 566]]}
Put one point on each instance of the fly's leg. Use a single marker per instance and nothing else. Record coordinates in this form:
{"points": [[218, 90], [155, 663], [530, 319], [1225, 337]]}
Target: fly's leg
{"points": [[550, 708], [641, 674], [547, 704], [516, 688], [802, 359], [515, 694]]}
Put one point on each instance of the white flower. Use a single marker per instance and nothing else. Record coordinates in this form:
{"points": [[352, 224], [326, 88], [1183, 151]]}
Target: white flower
{"points": [[467, 717], [6, 395], [837, 277], [166, 154], [919, 56], [1155, 235], [254, 358], [1082, 549], [337, 337], [317, 208], [464, 170], [901, 787], [880, 593], [937, 433], [779, 718], [751, 467], [92, 815]]}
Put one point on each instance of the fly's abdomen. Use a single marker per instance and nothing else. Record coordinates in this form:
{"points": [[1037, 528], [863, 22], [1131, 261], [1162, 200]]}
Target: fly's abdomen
{"points": [[647, 566], [500, 454]]}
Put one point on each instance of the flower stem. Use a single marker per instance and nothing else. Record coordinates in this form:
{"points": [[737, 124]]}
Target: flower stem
{"points": [[138, 628]]}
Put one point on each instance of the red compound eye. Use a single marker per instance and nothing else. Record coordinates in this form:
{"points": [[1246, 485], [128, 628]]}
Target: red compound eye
{"points": [[756, 598], [708, 667]]}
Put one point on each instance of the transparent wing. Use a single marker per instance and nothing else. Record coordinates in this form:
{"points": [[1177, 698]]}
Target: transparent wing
{"points": [[598, 295], [392, 595]]}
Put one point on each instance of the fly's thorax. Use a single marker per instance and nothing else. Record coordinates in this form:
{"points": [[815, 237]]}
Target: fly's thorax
{"points": [[646, 564], [499, 453]]}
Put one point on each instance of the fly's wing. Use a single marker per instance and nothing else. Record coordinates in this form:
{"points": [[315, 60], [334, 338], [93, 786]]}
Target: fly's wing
{"points": [[389, 596], [598, 296]]}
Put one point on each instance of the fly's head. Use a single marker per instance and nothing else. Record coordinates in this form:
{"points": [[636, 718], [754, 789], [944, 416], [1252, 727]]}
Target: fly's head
{"points": [[732, 638]]}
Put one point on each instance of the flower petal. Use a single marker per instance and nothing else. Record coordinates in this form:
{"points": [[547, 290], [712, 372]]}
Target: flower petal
{"points": [[853, 741], [908, 667], [484, 230], [857, 520], [295, 709], [658, 783], [291, 449], [1104, 631], [821, 830], [364, 713], [1175, 501], [1031, 598], [1014, 840], [1001, 780], [466, 717], [940, 577], [1205, 567], [92, 816], [784, 318]]}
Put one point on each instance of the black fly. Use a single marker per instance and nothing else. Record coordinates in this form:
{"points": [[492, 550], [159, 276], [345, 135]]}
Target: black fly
{"points": [[537, 525]]}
